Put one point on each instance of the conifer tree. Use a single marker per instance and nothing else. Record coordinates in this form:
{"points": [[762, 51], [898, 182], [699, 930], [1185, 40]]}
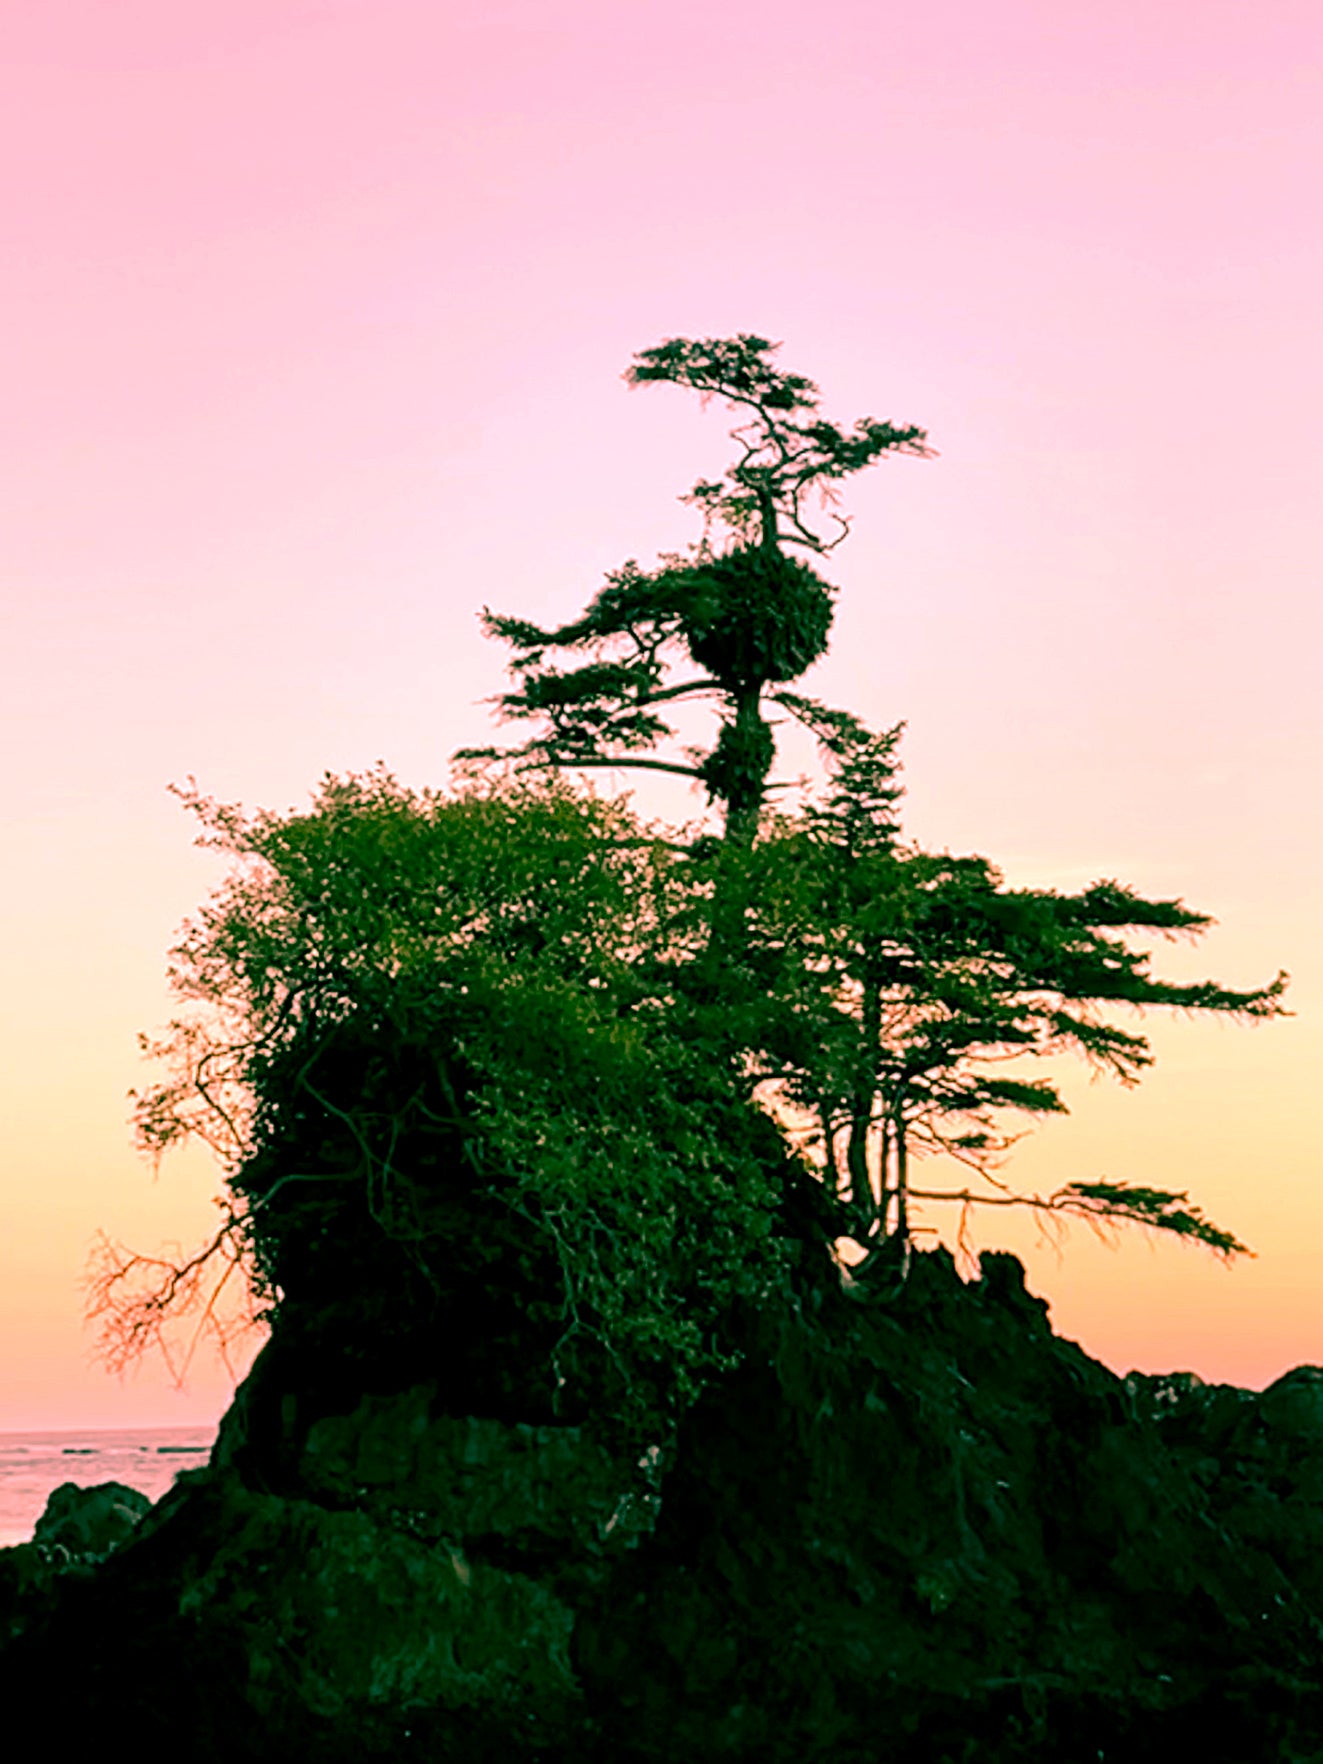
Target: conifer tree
{"points": [[903, 982], [745, 618], [908, 974]]}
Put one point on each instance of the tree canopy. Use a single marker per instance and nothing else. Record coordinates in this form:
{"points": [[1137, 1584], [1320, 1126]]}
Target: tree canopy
{"points": [[510, 1051], [422, 1016], [748, 617], [910, 992]]}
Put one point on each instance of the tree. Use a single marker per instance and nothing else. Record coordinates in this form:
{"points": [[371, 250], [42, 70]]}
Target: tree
{"points": [[503, 1053], [422, 1035], [750, 618], [925, 971], [904, 982]]}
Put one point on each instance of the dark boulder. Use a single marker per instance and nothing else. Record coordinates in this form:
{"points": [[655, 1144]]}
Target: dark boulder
{"points": [[89, 1522]]}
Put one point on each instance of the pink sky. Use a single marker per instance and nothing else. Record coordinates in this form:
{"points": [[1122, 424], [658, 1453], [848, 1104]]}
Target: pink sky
{"points": [[312, 322]]}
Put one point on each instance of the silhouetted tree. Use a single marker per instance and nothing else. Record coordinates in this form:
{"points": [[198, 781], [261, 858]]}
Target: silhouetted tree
{"points": [[902, 982], [748, 616]]}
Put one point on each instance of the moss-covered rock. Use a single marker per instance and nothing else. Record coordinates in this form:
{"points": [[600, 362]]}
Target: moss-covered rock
{"points": [[83, 1522], [343, 1616], [463, 1475]]}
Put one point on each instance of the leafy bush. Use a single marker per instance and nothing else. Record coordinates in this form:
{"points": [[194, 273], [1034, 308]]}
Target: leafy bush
{"points": [[417, 1017]]}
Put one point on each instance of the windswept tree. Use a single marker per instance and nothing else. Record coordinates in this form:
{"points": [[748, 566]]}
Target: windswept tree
{"points": [[740, 619], [905, 982], [909, 994]]}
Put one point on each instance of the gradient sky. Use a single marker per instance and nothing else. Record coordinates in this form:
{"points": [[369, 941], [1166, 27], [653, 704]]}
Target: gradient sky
{"points": [[313, 318]]}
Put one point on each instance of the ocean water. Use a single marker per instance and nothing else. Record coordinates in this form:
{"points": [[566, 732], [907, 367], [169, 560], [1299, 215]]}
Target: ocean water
{"points": [[32, 1464]]}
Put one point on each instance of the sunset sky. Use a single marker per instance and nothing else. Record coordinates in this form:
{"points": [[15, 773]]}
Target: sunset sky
{"points": [[313, 319]]}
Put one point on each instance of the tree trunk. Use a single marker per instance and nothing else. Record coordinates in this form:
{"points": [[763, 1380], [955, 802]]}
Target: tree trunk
{"points": [[861, 1103], [902, 1183], [754, 752]]}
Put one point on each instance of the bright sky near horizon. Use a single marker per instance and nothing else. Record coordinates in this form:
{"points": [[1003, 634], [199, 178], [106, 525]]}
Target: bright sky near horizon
{"points": [[312, 324]]}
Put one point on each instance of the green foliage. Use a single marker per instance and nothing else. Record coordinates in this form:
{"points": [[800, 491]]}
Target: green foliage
{"points": [[900, 982], [755, 616], [451, 1046], [502, 945], [781, 457], [750, 617], [1113, 1202]]}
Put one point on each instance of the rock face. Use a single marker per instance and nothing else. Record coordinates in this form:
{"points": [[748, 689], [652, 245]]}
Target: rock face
{"points": [[913, 1526], [89, 1522], [79, 1528]]}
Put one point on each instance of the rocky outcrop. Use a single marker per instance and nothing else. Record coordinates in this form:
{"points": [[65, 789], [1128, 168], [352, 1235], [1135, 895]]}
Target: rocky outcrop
{"points": [[88, 1523], [914, 1525], [930, 1529], [79, 1528]]}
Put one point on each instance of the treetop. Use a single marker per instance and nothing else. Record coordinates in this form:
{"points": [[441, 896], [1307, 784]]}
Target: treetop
{"points": [[781, 457]]}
